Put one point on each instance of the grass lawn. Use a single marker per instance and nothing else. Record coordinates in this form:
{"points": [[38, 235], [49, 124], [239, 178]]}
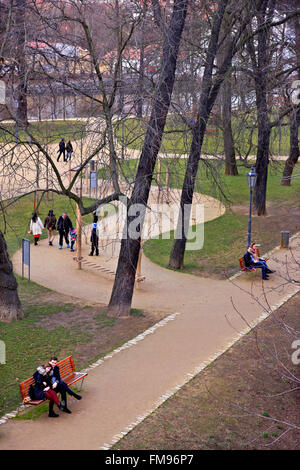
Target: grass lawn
{"points": [[177, 138], [45, 131], [231, 403], [55, 324], [225, 238], [18, 217]]}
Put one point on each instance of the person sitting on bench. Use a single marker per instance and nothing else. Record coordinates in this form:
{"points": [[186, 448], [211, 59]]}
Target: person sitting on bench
{"points": [[59, 386], [43, 389], [251, 260]]}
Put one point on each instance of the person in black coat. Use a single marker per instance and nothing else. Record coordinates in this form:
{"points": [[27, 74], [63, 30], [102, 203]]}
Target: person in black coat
{"points": [[62, 149], [60, 386], [251, 260], [94, 240], [43, 390], [64, 225]]}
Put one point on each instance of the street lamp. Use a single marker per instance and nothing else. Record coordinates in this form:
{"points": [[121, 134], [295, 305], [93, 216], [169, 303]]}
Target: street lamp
{"points": [[251, 176]]}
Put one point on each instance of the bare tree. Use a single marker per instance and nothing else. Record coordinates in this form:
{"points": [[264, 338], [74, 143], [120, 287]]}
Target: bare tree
{"points": [[121, 297]]}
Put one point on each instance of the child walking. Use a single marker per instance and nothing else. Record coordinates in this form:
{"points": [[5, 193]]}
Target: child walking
{"points": [[73, 236]]}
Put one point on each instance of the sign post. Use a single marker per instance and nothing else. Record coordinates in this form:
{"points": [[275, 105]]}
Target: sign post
{"points": [[26, 256]]}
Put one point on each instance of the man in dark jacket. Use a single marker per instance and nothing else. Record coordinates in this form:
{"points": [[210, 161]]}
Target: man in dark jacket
{"points": [[251, 261], [62, 149], [64, 225], [94, 240], [60, 386]]}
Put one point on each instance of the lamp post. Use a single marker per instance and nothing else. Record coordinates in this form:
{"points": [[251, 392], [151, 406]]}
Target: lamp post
{"points": [[252, 176]]}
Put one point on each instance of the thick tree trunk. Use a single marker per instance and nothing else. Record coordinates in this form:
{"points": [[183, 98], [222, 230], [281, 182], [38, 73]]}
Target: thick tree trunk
{"points": [[260, 67], [121, 297], [294, 149], [225, 101], [230, 160], [294, 121], [10, 306], [207, 100]]}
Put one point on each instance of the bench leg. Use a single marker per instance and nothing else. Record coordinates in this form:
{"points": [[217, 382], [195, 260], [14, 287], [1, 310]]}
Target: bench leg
{"points": [[81, 384]]}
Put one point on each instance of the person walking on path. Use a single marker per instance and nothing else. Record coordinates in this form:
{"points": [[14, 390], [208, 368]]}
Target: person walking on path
{"points": [[61, 386], [36, 227], [94, 240], [64, 226], [62, 149], [69, 149], [43, 389], [50, 225], [73, 237]]}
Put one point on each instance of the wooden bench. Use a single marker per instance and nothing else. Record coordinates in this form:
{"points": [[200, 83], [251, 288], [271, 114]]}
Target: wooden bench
{"points": [[250, 268], [67, 374]]}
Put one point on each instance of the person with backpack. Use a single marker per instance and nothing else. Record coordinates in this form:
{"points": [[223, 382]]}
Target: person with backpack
{"points": [[69, 149], [62, 149], [50, 225]]}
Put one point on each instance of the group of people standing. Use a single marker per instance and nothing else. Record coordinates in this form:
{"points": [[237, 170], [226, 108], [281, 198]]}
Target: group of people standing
{"points": [[65, 229], [47, 384], [63, 148], [64, 226]]}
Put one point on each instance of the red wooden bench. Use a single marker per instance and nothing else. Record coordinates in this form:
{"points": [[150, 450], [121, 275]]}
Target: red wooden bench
{"points": [[67, 374], [250, 268]]}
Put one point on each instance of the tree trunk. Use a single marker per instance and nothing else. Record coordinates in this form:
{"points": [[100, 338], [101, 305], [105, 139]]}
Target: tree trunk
{"points": [[207, 100], [21, 114], [121, 297], [264, 127], [225, 102], [294, 149], [10, 306], [230, 161], [140, 91], [294, 121]]}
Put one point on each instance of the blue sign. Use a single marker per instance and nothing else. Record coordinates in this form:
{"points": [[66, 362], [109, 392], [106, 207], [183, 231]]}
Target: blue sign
{"points": [[25, 256], [93, 180]]}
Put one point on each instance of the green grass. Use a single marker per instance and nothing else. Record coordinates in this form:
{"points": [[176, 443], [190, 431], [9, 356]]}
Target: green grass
{"points": [[45, 131], [212, 181], [18, 215], [224, 238], [28, 344], [177, 137], [219, 234]]}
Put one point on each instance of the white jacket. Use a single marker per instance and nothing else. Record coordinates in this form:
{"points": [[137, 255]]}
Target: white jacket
{"points": [[36, 227]]}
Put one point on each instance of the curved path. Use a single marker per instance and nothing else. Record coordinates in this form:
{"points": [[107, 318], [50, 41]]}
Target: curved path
{"points": [[128, 385]]}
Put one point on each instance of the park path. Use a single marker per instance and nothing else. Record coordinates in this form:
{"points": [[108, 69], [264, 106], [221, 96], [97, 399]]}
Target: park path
{"points": [[124, 388]]}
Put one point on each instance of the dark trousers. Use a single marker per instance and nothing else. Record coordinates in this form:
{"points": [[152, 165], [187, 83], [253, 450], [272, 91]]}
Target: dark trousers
{"points": [[63, 235], [95, 248], [264, 268], [63, 388], [64, 154]]}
